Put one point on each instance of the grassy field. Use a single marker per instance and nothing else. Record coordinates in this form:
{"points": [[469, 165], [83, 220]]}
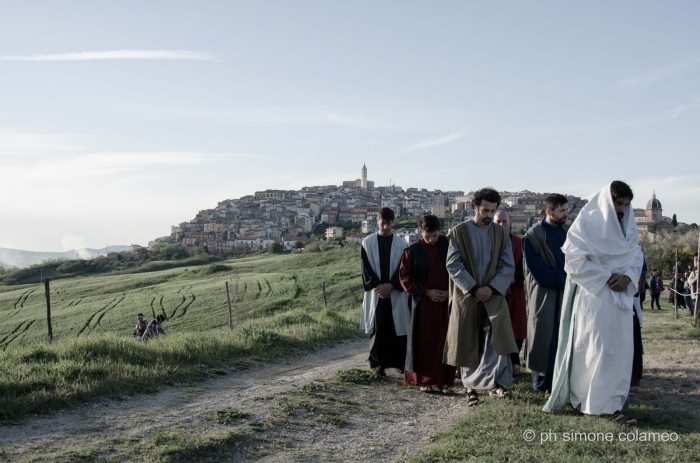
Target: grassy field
{"points": [[667, 406], [277, 302]]}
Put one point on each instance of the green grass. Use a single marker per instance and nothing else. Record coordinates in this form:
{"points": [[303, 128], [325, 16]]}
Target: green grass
{"points": [[277, 304], [668, 401]]}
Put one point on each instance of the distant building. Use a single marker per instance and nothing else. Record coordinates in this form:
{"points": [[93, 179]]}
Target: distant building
{"points": [[370, 226], [652, 220], [409, 237], [333, 233], [438, 211]]}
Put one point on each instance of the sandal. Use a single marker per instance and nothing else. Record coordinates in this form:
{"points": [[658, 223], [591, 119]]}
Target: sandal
{"points": [[381, 372], [447, 390], [472, 398], [547, 395], [623, 419], [427, 389], [500, 392]]}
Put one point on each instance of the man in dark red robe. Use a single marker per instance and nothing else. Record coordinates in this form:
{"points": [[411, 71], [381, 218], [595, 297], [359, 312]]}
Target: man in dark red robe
{"points": [[516, 292], [424, 277]]}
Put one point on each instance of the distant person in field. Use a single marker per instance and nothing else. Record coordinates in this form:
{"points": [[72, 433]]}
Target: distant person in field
{"points": [[655, 289], [603, 262], [678, 290], [155, 328], [423, 275], [545, 278], [692, 282], [141, 325], [515, 296], [384, 315], [480, 336]]}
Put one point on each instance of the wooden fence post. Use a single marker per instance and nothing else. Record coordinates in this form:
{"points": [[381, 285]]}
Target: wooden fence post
{"points": [[48, 309], [230, 311], [325, 302]]}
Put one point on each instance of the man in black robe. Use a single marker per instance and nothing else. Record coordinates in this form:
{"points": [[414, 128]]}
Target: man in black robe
{"points": [[384, 314]]}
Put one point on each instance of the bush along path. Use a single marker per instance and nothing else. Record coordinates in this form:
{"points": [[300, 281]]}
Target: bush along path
{"points": [[326, 406]]}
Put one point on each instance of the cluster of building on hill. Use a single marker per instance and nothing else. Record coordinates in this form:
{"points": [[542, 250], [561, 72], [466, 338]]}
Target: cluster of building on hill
{"points": [[290, 216]]}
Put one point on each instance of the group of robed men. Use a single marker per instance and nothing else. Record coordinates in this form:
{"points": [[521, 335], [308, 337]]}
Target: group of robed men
{"points": [[465, 302]]}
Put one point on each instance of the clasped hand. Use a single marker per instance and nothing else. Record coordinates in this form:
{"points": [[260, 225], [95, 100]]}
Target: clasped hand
{"points": [[436, 295], [618, 283], [483, 294], [384, 290]]}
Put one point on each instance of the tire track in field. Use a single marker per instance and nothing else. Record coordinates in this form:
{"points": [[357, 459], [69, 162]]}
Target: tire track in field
{"points": [[19, 299], [74, 303], [87, 324], [255, 290], [19, 327], [178, 306], [152, 308], [26, 297], [99, 319], [162, 309], [18, 334], [184, 309]]}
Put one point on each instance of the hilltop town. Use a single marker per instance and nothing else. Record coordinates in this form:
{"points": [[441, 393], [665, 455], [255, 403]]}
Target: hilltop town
{"points": [[291, 217]]}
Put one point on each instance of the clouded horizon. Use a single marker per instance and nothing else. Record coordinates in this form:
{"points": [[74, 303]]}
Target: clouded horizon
{"points": [[118, 121]]}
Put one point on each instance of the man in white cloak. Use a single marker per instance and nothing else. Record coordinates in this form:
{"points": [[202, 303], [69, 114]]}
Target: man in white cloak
{"points": [[603, 261], [385, 314]]}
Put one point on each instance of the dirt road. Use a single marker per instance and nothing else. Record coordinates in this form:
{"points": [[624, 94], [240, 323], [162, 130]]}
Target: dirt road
{"points": [[297, 410]]}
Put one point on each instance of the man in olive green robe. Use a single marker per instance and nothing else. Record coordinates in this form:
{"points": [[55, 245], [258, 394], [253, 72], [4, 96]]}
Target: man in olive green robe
{"points": [[481, 267]]}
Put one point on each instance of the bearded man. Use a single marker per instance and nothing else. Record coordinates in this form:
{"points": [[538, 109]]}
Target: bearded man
{"points": [[481, 267], [603, 261]]}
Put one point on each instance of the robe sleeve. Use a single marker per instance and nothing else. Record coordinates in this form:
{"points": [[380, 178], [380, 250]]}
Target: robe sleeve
{"points": [[587, 273], [633, 274], [459, 274], [370, 280], [505, 271], [408, 280], [544, 274]]}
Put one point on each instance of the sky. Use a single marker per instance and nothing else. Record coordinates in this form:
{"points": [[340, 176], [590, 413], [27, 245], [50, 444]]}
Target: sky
{"points": [[120, 119]]}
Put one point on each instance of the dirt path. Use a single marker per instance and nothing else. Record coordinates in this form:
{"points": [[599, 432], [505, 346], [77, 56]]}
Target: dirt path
{"points": [[290, 411]]}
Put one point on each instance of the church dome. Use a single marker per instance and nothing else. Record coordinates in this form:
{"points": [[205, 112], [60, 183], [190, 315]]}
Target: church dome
{"points": [[654, 203]]}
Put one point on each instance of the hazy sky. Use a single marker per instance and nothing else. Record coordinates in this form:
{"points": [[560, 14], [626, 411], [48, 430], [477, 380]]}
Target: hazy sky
{"points": [[119, 119]]}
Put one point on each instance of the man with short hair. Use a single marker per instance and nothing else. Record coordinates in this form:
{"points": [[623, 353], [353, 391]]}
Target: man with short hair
{"points": [[603, 262], [141, 325], [515, 296], [384, 315], [545, 279], [423, 275], [479, 335]]}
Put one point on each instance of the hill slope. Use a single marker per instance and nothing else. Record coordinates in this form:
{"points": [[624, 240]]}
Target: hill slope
{"points": [[193, 299]]}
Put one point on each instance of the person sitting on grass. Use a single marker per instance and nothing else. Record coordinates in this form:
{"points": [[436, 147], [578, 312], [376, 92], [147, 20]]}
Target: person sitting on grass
{"points": [[155, 328], [141, 325]]}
